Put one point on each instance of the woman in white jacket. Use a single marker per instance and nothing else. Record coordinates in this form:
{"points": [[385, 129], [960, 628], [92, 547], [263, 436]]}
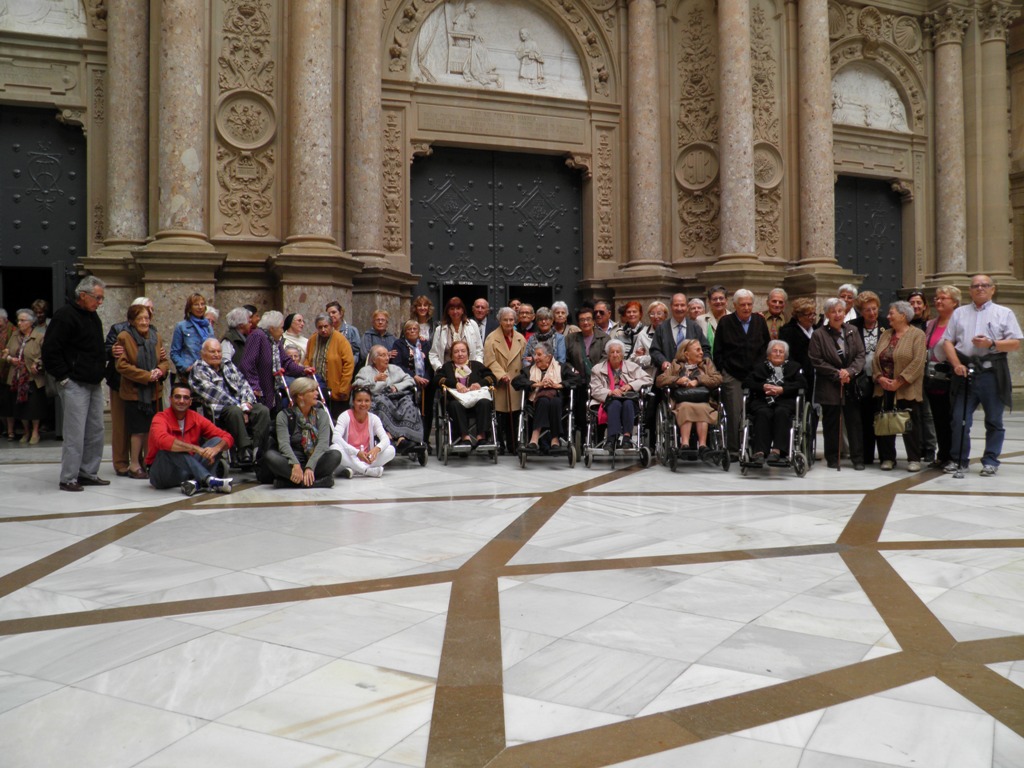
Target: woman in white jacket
{"points": [[454, 327], [360, 438]]}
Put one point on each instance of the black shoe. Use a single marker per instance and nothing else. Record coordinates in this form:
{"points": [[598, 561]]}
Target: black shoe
{"points": [[280, 482], [324, 482], [532, 448], [627, 443], [757, 460], [83, 480], [73, 486], [609, 444], [833, 465], [858, 466]]}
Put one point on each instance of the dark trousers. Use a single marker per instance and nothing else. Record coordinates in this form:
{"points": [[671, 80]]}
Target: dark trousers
{"points": [[232, 420], [942, 417], [170, 469], [119, 439], [547, 415], [621, 415], [770, 424], [852, 425], [281, 467], [867, 429], [481, 413], [911, 439]]}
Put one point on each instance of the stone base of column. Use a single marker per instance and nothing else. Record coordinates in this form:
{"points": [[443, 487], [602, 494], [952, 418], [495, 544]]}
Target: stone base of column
{"points": [[958, 279], [644, 285], [115, 265], [741, 270], [818, 281], [178, 241], [310, 274], [382, 287], [168, 276]]}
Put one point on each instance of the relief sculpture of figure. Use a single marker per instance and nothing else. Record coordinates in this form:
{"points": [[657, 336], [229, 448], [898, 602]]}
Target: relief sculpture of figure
{"points": [[474, 63], [531, 62]]}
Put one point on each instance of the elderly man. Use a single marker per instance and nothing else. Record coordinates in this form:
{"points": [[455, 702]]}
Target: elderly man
{"points": [[482, 318], [330, 354], [775, 315], [524, 320], [184, 448], [239, 327], [222, 388], [336, 313], [75, 355], [604, 317], [671, 334], [980, 334], [740, 343]]}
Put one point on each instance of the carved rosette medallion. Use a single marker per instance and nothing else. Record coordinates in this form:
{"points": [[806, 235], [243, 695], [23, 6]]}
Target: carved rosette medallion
{"points": [[906, 33], [836, 21], [245, 117], [697, 165], [393, 170], [768, 162]]}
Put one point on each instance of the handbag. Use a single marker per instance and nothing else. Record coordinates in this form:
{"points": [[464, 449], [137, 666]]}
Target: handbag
{"points": [[698, 394], [471, 398], [894, 422], [937, 378]]}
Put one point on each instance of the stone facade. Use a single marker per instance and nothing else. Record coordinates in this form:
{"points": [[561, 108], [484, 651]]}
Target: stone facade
{"points": [[263, 151]]}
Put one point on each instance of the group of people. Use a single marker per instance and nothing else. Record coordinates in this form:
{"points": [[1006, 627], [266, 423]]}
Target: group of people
{"points": [[303, 410]]}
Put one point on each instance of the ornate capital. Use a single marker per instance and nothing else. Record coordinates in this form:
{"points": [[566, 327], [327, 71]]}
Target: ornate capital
{"points": [[995, 20], [947, 25], [420, 149]]}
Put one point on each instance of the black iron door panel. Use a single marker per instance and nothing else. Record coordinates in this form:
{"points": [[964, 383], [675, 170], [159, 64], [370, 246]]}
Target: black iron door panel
{"points": [[869, 235], [43, 224], [497, 224]]}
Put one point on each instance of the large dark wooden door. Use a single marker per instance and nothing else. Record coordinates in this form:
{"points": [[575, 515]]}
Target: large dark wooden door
{"points": [[869, 234], [43, 225], [496, 224]]}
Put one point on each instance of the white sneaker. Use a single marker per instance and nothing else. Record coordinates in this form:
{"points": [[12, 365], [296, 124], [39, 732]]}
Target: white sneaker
{"points": [[914, 466], [374, 472], [887, 465], [220, 484], [989, 470]]}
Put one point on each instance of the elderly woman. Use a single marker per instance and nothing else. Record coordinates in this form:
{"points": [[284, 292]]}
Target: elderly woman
{"points": [[465, 379], [504, 355], [454, 327], [690, 370], [379, 334], [771, 404], [232, 344], [189, 335], [560, 315], [303, 457], [544, 332], [423, 314], [837, 354], [919, 304], [898, 373], [695, 308], [634, 334], [294, 326], [142, 369], [392, 390], [937, 382], [25, 377], [615, 383], [543, 383], [870, 326], [360, 438], [264, 358], [413, 357]]}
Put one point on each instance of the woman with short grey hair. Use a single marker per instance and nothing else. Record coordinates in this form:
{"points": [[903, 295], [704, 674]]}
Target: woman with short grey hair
{"points": [[898, 372], [264, 357], [615, 383]]}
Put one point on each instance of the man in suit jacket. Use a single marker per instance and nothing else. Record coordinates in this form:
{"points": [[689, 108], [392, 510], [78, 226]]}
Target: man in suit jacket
{"points": [[482, 318], [740, 343], [673, 332]]}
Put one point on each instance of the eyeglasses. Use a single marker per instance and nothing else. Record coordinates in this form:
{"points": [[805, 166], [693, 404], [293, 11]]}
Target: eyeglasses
{"points": [[600, 311], [980, 286], [94, 297]]}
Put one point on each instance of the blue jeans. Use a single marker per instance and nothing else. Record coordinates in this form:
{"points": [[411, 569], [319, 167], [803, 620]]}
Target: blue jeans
{"points": [[982, 390], [170, 469], [621, 415]]}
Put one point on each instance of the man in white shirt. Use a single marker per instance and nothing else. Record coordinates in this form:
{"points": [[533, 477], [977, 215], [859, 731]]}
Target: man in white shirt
{"points": [[979, 335]]}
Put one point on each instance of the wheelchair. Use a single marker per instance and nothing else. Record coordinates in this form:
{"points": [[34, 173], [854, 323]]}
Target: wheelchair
{"points": [[567, 440], [800, 451], [669, 448], [593, 434], [418, 451], [444, 438]]}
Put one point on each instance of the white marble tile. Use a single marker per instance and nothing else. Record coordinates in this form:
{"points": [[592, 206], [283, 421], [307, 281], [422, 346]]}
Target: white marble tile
{"points": [[410, 751], [1008, 748], [723, 752], [428, 545], [218, 746], [238, 583], [206, 677], [30, 601], [249, 550], [341, 564], [789, 732], [622, 584], [344, 706], [73, 727], [550, 611], [905, 734], [416, 650], [826, 618], [16, 690], [517, 644], [700, 683], [985, 611], [708, 595], [592, 677], [81, 526], [529, 720]]}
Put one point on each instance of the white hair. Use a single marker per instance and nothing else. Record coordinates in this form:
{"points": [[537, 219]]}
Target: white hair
{"points": [[271, 319], [238, 316], [848, 287], [773, 291], [742, 293], [614, 343], [778, 343]]}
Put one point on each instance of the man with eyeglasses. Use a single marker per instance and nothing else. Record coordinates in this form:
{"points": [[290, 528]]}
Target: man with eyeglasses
{"points": [[75, 355], [603, 317], [979, 335]]}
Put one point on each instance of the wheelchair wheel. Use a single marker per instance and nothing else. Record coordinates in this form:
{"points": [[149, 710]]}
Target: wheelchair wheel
{"points": [[799, 464], [588, 458], [445, 453], [725, 460], [645, 457], [422, 457], [522, 457], [672, 459], [572, 455]]}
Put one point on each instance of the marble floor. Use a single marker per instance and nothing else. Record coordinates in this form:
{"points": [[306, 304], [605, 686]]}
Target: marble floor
{"points": [[478, 615]]}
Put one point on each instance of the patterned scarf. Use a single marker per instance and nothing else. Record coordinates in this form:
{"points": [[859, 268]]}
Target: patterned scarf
{"points": [[146, 361], [320, 356], [22, 380], [307, 429]]}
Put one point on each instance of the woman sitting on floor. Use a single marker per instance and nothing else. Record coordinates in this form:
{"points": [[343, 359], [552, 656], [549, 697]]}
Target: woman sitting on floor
{"points": [[303, 458], [360, 438]]}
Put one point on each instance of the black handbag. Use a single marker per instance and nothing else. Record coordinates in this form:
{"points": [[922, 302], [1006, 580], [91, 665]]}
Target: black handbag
{"points": [[698, 394], [938, 377]]}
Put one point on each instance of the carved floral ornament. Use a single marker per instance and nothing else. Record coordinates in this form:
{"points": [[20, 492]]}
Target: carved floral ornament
{"points": [[588, 24]]}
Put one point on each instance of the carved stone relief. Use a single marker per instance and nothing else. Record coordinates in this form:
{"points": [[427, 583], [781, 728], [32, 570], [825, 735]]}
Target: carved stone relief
{"points": [[55, 18], [394, 186], [604, 186], [875, 29], [864, 96], [891, 67], [508, 45], [99, 99], [246, 121], [97, 10], [995, 20], [696, 118], [768, 164]]}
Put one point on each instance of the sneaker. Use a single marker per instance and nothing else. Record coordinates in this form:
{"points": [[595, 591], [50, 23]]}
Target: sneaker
{"points": [[950, 468], [344, 472], [887, 466], [220, 484], [189, 487], [914, 466], [324, 482], [989, 470], [374, 472]]}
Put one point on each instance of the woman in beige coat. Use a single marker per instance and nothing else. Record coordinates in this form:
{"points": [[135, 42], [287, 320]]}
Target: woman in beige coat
{"points": [[503, 354], [898, 373]]}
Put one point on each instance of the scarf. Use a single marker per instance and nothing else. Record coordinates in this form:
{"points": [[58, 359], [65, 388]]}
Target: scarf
{"points": [[145, 360], [630, 336], [613, 380], [775, 378], [202, 325], [320, 356], [21, 382], [307, 431], [462, 373], [554, 372]]}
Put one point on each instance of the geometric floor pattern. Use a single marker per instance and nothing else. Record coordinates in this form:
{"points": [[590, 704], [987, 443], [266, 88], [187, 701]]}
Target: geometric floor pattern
{"points": [[479, 615]]}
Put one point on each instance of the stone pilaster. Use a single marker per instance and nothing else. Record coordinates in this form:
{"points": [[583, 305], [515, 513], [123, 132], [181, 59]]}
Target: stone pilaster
{"points": [[817, 185], [947, 27], [364, 212], [994, 20]]}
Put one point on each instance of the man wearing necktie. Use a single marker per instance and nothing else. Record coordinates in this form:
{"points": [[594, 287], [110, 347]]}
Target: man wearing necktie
{"points": [[674, 332]]}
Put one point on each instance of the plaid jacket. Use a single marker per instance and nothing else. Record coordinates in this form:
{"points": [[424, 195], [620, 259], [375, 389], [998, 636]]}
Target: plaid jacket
{"points": [[219, 392]]}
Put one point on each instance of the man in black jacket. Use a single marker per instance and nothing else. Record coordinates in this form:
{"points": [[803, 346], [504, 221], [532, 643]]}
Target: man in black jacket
{"points": [[74, 354], [740, 343]]}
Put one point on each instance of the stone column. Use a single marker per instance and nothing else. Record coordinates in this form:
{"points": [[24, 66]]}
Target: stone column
{"points": [[995, 145], [645, 173], [947, 27], [817, 185], [128, 124], [736, 132], [364, 216]]}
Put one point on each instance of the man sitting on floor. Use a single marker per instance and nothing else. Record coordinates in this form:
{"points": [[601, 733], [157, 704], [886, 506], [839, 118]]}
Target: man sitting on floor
{"points": [[183, 447], [221, 387]]}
